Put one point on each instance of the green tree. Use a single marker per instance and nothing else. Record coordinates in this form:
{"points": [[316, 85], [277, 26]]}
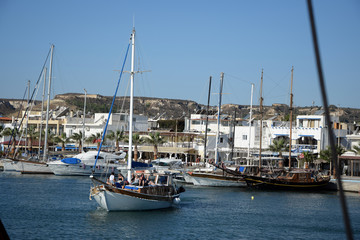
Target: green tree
{"points": [[136, 140], [95, 138], [31, 136], [117, 136], [155, 139], [278, 146], [77, 137], [11, 132], [63, 139], [327, 156], [356, 149], [308, 157]]}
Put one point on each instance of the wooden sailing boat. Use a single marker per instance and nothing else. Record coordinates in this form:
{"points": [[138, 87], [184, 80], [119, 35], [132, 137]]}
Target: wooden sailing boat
{"points": [[299, 179], [162, 192], [218, 177]]}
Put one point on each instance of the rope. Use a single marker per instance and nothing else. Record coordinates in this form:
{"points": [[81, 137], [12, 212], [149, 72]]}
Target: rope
{"points": [[327, 117]]}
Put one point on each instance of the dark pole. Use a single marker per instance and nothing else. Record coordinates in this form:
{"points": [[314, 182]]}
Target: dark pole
{"points": [[327, 117]]}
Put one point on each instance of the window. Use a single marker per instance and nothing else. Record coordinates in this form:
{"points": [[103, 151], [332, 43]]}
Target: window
{"points": [[195, 122], [244, 137], [221, 140]]}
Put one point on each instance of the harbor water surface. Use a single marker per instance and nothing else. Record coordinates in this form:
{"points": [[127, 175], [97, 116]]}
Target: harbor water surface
{"points": [[58, 207]]}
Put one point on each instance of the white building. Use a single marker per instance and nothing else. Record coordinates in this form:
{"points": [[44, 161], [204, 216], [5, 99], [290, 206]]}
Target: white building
{"points": [[309, 133], [96, 124]]}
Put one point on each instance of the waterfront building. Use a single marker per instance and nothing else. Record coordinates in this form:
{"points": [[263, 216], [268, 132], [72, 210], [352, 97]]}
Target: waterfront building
{"points": [[237, 137]]}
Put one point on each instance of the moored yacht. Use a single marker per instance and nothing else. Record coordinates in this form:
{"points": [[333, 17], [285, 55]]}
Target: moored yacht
{"points": [[82, 164]]}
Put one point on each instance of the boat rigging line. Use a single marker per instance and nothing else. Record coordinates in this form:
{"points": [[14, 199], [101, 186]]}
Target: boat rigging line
{"points": [[112, 104], [327, 117]]}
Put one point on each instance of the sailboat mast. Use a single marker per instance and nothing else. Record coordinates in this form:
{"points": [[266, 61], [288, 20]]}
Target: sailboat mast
{"points": [[250, 119], [218, 119], [83, 130], [291, 113], [42, 110], [27, 119], [261, 117], [131, 102], [48, 107], [207, 120]]}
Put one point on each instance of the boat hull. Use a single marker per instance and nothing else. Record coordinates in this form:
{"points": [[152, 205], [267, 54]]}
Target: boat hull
{"points": [[79, 169], [112, 201], [215, 180], [29, 167], [275, 184], [127, 200], [8, 165]]}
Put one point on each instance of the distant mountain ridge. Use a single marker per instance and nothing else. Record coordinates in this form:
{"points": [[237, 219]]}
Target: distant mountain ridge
{"points": [[169, 108]]}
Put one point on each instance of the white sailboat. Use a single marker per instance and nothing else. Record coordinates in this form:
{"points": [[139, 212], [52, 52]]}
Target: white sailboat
{"points": [[217, 177], [34, 165], [159, 193]]}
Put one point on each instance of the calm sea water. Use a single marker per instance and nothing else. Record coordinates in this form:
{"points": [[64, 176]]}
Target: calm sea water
{"points": [[55, 207]]}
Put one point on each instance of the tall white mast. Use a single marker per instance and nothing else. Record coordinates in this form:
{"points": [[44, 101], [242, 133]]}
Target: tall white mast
{"points": [[42, 110], [27, 119], [250, 119], [48, 107], [132, 73], [83, 130], [218, 119]]}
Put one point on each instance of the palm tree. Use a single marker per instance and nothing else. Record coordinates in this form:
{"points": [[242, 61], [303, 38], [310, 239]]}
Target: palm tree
{"points": [[327, 156], [278, 146], [63, 140], [95, 138], [308, 157], [31, 135], [11, 132], [136, 140], [356, 149], [118, 136], [155, 140], [77, 137], [1, 130]]}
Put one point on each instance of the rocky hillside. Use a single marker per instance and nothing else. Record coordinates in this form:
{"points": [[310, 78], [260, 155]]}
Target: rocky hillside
{"points": [[170, 108]]}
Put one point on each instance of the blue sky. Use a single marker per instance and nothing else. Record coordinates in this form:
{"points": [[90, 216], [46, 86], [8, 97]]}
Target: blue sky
{"points": [[183, 43]]}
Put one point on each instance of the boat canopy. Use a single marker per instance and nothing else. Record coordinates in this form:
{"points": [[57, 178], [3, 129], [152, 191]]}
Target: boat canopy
{"points": [[71, 160]]}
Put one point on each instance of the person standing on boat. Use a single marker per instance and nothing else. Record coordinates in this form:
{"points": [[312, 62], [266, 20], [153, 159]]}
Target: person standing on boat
{"points": [[112, 179]]}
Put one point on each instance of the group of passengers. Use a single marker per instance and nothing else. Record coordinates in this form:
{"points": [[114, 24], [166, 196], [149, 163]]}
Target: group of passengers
{"points": [[135, 180]]}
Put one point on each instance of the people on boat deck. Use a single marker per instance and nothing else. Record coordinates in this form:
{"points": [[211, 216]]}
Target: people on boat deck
{"points": [[122, 181], [143, 181], [134, 180], [111, 179]]}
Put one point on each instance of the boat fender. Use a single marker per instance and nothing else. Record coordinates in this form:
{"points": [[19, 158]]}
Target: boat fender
{"points": [[177, 200]]}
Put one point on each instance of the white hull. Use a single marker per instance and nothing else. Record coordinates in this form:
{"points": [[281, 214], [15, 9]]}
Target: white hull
{"points": [[112, 201], [80, 169], [8, 165], [32, 167], [209, 181]]}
